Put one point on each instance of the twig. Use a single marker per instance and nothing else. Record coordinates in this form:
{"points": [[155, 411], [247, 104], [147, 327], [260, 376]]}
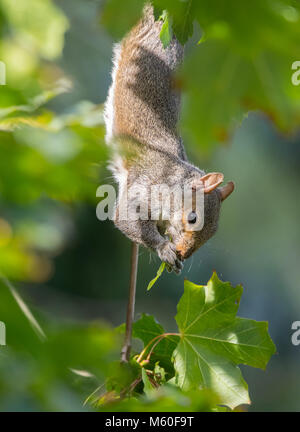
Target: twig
{"points": [[125, 354], [157, 338]]}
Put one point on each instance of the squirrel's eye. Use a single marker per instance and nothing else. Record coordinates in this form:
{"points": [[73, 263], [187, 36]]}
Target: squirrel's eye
{"points": [[192, 218]]}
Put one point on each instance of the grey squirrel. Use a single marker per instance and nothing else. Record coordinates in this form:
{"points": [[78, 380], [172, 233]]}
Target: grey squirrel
{"points": [[141, 115]]}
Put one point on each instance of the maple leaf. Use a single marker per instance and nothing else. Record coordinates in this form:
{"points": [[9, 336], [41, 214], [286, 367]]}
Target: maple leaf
{"points": [[214, 341]]}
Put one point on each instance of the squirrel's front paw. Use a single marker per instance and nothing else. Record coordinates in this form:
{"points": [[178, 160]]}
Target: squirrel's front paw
{"points": [[167, 253]]}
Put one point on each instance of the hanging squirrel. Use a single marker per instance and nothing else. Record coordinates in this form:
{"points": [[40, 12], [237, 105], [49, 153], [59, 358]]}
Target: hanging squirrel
{"points": [[141, 116]]}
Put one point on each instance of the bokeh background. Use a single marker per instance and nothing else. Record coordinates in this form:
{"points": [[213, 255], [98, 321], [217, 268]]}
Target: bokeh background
{"points": [[72, 268]]}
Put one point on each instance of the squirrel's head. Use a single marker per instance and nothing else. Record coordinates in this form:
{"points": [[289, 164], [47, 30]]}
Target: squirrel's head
{"points": [[199, 222]]}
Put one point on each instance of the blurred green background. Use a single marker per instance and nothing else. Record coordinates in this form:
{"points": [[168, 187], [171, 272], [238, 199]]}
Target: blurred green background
{"points": [[72, 268]]}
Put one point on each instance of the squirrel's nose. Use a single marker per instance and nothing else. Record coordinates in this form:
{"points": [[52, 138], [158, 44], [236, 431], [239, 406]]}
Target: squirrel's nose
{"points": [[184, 253]]}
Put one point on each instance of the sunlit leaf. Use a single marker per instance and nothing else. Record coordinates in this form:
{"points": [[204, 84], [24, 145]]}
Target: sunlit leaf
{"points": [[166, 30], [214, 341]]}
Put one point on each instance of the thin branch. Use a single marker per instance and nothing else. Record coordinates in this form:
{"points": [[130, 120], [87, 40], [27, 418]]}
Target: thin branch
{"points": [[160, 337], [131, 303]]}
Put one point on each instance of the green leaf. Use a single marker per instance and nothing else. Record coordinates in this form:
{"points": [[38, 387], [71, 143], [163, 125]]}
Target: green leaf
{"points": [[214, 341], [121, 375], [148, 388], [146, 329], [217, 71], [159, 273], [118, 17], [167, 398], [183, 25], [244, 63], [160, 374], [61, 87], [22, 306], [182, 14], [166, 30]]}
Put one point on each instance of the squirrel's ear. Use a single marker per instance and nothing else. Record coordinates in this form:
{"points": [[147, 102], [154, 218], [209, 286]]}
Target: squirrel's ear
{"points": [[211, 181], [226, 190]]}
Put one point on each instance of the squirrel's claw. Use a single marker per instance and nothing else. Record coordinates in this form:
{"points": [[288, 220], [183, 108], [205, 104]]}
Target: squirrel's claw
{"points": [[179, 266], [167, 253]]}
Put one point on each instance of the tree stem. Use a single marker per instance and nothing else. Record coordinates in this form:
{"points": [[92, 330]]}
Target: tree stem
{"points": [[125, 354]]}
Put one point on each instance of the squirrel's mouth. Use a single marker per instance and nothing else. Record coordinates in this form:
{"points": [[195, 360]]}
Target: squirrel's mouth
{"points": [[183, 247], [183, 252], [183, 256], [179, 256]]}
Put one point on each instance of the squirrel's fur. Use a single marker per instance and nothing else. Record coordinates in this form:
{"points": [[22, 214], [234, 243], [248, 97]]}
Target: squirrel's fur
{"points": [[141, 115]]}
